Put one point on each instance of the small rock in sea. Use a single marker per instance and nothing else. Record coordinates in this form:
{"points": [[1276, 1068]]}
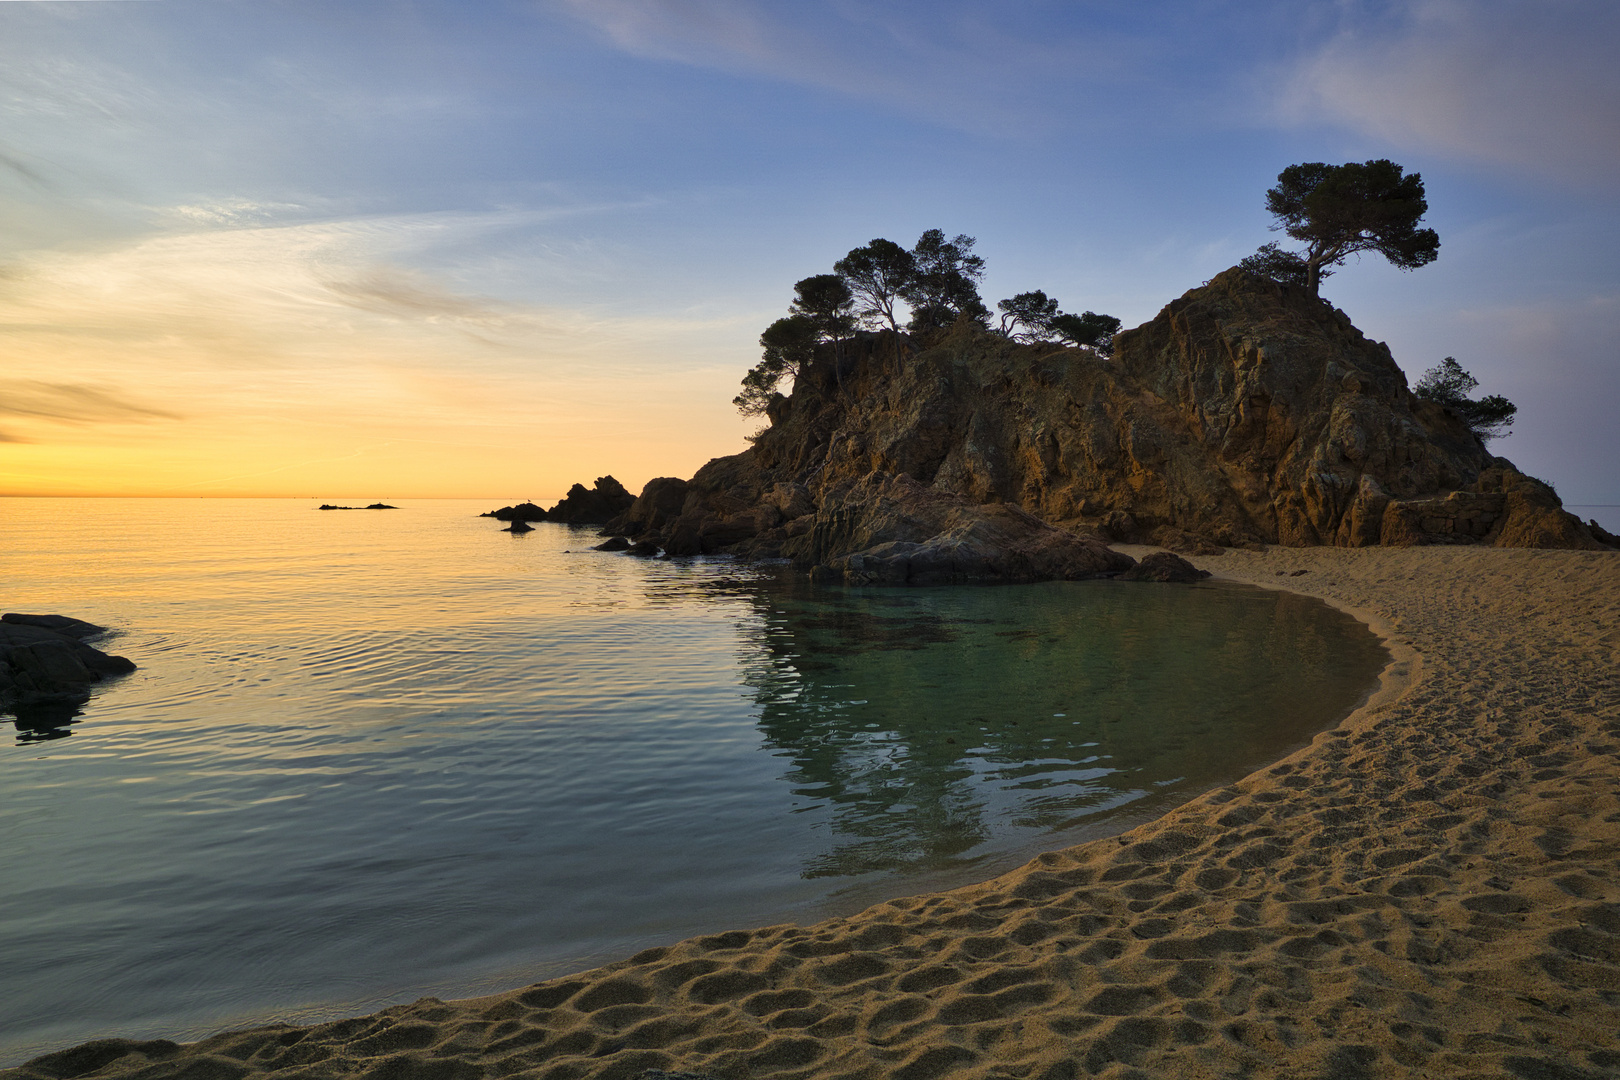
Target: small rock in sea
{"points": [[614, 543], [521, 512], [519, 527], [381, 506], [644, 549], [1163, 566]]}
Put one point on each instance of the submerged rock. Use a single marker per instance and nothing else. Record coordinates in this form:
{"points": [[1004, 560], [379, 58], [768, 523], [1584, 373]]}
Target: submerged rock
{"points": [[519, 526]]}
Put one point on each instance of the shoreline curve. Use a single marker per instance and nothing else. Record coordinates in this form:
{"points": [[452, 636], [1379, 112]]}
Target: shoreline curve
{"points": [[1430, 887]]}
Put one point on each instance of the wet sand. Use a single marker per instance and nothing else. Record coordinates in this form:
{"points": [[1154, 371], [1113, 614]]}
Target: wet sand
{"points": [[1431, 888]]}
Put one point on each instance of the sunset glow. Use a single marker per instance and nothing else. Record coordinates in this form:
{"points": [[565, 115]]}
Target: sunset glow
{"points": [[370, 252]]}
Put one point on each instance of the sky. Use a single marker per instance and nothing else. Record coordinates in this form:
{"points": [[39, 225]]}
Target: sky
{"points": [[394, 250]]}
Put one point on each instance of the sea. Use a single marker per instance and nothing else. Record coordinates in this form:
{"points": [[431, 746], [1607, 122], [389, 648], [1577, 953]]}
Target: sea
{"points": [[374, 755]]}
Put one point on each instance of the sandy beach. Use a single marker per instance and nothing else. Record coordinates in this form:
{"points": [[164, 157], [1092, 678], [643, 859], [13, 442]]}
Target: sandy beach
{"points": [[1429, 889]]}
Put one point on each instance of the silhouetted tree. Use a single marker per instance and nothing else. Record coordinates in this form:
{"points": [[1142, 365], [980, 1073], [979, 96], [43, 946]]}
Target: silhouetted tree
{"points": [[790, 346], [1338, 210], [877, 274], [1032, 311], [1285, 266], [1489, 417], [1089, 329], [943, 286], [827, 302]]}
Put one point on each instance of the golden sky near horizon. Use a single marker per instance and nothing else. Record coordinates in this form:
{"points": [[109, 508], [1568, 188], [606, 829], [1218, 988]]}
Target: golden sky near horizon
{"points": [[372, 251], [295, 360]]}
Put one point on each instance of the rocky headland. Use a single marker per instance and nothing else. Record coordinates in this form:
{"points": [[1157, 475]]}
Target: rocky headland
{"points": [[1246, 413], [47, 668], [582, 505]]}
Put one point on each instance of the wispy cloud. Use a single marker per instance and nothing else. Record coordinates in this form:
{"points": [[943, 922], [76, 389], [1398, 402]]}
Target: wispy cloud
{"points": [[1531, 86], [74, 403], [400, 293], [955, 64]]}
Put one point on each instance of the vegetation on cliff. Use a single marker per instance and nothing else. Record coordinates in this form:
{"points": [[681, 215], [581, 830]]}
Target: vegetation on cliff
{"points": [[1489, 417], [1247, 412], [937, 280], [1340, 210]]}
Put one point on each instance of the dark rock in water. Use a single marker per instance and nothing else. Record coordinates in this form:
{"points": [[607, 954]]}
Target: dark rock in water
{"points": [[643, 549], [61, 624], [381, 506], [521, 512], [373, 506], [659, 503], [519, 527], [613, 543], [46, 669], [1163, 566], [592, 506]]}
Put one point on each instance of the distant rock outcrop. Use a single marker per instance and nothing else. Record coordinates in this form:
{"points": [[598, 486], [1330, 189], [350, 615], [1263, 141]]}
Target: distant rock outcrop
{"points": [[592, 506], [46, 669], [521, 512]]}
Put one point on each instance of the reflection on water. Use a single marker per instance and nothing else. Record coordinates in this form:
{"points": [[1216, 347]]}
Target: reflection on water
{"points": [[930, 721], [371, 757]]}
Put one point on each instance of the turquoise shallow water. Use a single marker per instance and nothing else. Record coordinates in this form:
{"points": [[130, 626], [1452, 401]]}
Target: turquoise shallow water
{"points": [[375, 755]]}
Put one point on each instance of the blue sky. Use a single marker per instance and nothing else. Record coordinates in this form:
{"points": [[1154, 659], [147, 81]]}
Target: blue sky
{"points": [[487, 249]]}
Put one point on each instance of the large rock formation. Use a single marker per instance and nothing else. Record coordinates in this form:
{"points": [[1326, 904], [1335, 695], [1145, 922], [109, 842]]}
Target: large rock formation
{"points": [[592, 506], [1246, 412]]}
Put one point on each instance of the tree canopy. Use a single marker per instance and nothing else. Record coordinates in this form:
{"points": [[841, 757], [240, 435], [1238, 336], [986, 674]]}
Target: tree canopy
{"points": [[790, 346], [937, 281], [1339, 210], [1034, 316], [876, 275], [943, 285], [1088, 328], [827, 301], [1489, 417], [1028, 316], [1287, 267]]}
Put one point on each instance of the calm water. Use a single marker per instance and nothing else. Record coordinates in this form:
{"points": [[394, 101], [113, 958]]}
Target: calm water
{"points": [[375, 755]]}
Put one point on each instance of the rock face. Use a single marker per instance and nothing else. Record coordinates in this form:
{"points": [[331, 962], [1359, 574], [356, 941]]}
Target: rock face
{"points": [[1246, 412], [592, 506], [892, 530], [46, 669]]}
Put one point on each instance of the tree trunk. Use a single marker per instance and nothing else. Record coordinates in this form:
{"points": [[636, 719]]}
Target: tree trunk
{"points": [[1313, 275]]}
